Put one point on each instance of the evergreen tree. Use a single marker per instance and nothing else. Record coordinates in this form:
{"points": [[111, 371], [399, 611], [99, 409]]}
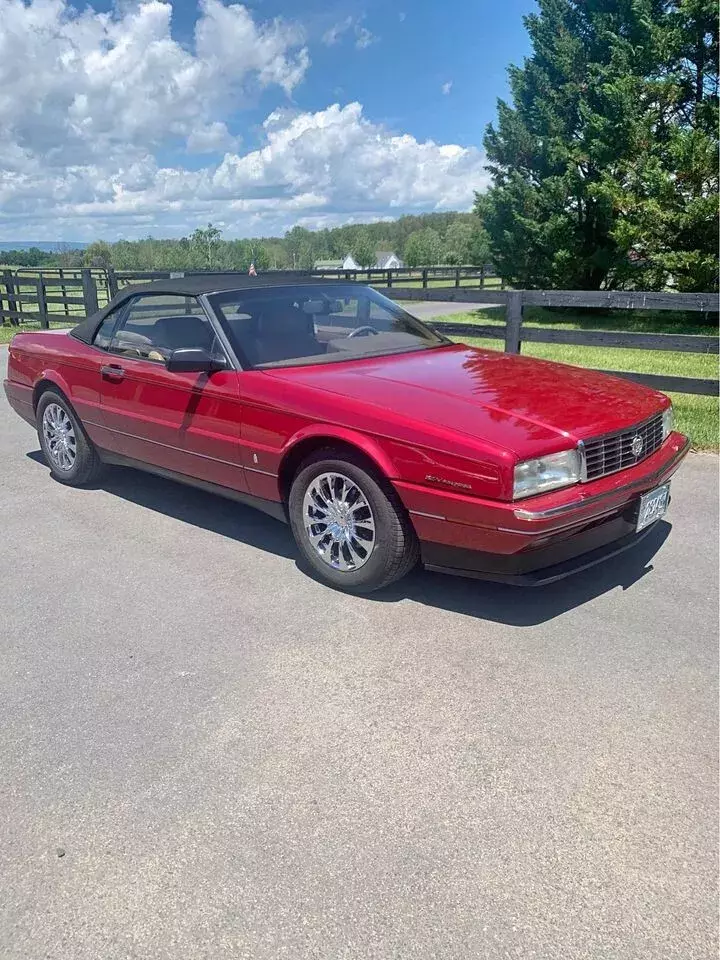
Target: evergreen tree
{"points": [[605, 168]]}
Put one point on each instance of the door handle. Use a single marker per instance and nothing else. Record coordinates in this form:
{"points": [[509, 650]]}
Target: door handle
{"points": [[112, 371]]}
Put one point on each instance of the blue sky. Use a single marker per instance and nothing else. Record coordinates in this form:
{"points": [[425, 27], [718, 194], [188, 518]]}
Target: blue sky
{"points": [[416, 48], [156, 117]]}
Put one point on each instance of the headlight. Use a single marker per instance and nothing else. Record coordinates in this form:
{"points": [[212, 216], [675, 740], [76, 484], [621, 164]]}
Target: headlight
{"points": [[667, 422], [546, 473]]}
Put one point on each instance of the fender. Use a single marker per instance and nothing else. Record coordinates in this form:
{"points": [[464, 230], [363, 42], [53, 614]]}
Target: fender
{"points": [[371, 448], [55, 377]]}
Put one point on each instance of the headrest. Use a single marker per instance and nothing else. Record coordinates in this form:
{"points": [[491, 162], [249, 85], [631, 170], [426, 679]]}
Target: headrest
{"points": [[184, 330], [279, 319]]}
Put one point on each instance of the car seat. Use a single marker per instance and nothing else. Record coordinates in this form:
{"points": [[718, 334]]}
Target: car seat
{"points": [[184, 330], [281, 332]]}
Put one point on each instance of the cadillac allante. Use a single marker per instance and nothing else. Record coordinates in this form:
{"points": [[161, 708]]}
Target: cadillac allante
{"points": [[379, 441]]}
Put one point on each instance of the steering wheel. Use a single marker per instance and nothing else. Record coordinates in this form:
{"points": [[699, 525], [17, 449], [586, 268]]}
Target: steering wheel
{"points": [[363, 331]]}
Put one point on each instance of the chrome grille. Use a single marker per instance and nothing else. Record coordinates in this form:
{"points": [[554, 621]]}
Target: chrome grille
{"points": [[614, 452]]}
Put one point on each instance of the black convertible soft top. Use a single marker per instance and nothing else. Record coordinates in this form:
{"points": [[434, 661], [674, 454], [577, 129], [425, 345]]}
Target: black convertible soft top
{"points": [[194, 285]]}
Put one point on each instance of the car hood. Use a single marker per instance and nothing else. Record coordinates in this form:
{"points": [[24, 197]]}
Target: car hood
{"points": [[515, 402]]}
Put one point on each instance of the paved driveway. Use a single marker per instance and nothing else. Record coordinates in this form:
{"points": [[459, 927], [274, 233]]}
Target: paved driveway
{"points": [[236, 762], [429, 309]]}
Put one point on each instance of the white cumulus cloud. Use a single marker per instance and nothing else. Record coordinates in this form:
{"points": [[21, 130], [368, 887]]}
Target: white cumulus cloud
{"points": [[90, 102], [77, 83]]}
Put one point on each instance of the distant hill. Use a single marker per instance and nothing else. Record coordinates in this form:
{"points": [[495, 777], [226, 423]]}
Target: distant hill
{"points": [[47, 246]]}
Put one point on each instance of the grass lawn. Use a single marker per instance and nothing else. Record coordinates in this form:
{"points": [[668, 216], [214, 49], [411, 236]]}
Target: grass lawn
{"points": [[7, 333], [694, 415]]}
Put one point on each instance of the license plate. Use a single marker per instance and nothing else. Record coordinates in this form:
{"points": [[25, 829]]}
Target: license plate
{"points": [[653, 505]]}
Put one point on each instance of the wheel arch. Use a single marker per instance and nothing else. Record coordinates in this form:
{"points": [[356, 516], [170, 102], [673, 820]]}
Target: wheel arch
{"points": [[49, 380], [304, 444]]}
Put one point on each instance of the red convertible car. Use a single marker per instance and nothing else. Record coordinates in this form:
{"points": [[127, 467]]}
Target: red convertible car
{"points": [[381, 442]]}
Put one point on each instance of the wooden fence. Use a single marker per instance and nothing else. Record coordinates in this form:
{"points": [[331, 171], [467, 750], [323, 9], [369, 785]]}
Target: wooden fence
{"points": [[422, 276], [63, 296]]}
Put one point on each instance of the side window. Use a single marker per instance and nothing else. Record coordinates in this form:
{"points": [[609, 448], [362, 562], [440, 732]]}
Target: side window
{"points": [[154, 326], [103, 334]]}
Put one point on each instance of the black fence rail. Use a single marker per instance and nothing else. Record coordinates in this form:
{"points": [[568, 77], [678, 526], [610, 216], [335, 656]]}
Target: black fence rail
{"points": [[515, 331], [70, 280], [421, 276], [44, 296], [56, 296]]}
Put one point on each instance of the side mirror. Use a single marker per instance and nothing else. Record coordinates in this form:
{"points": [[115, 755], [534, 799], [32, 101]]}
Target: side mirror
{"points": [[194, 360]]}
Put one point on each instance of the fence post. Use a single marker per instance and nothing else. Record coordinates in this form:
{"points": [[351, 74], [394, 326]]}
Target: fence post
{"points": [[42, 304], [457, 276], [12, 302], [112, 283], [89, 288], [482, 277], [63, 290], [513, 322], [424, 278], [389, 278]]}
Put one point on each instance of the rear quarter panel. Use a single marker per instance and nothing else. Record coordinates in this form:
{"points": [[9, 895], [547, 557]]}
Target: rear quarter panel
{"points": [[58, 358]]}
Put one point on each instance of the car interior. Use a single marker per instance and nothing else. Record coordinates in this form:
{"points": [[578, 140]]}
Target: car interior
{"points": [[263, 330], [146, 335], [268, 331]]}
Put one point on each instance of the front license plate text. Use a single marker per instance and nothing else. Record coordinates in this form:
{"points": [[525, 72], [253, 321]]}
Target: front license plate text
{"points": [[653, 505]]}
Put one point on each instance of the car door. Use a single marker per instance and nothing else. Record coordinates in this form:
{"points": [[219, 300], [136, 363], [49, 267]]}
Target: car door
{"points": [[187, 423], [83, 383]]}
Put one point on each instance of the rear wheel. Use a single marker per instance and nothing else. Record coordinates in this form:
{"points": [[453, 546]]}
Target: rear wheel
{"points": [[69, 452], [350, 524]]}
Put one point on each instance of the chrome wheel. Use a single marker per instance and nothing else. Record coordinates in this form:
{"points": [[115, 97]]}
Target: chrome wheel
{"points": [[59, 435], [338, 521]]}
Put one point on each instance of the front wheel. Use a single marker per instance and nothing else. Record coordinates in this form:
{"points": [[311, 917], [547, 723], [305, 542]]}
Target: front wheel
{"points": [[350, 524]]}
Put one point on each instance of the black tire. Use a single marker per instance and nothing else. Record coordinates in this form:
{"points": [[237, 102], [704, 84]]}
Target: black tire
{"points": [[395, 550], [86, 466]]}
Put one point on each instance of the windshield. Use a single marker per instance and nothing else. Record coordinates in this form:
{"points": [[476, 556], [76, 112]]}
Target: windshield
{"points": [[291, 325]]}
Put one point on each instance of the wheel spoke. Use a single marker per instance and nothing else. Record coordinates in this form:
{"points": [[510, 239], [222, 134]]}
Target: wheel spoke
{"points": [[317, 538], [357, 552], [342, 562], [319, 503]]}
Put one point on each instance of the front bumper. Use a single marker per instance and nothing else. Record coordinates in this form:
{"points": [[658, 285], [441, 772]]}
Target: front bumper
{"points": [[535, 568], [541, 539]]}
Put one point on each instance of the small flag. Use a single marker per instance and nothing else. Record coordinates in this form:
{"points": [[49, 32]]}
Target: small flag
{"points": [[252, 272]]}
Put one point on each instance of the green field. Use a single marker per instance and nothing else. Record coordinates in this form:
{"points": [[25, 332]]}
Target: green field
{"points": [[7, 333], [694, 415]]}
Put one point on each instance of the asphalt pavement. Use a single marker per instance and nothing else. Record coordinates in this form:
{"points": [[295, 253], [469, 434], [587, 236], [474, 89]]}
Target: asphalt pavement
{"points": [[204, 753]]}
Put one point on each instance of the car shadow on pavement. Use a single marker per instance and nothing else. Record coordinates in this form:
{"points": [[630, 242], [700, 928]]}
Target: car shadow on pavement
{"points": [[528, 606], [515, 606]]}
